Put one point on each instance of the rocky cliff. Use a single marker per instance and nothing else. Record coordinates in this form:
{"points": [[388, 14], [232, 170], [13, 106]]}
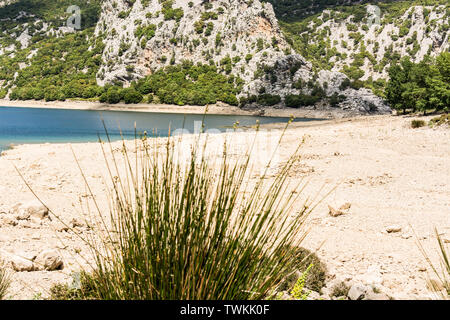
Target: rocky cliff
{"points": [[363, 41], [417, 32], [149, 36], [241, 37]]}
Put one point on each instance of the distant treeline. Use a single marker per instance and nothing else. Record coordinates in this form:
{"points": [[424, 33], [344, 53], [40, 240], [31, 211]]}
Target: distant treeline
{"points": [[183, 84], [423, 86]]}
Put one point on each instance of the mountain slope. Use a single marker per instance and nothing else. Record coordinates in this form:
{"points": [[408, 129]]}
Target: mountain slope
{"points": [[241, 38], [202, 52], [350, 39], [40, 57], [150, 36]]}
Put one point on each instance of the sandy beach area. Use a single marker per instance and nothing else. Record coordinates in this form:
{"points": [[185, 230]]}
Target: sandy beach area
{"points": [[217, 109], [391, 175]]}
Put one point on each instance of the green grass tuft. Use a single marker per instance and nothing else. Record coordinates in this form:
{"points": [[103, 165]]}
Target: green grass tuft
{"points": [[187, 230], [417, 124]]}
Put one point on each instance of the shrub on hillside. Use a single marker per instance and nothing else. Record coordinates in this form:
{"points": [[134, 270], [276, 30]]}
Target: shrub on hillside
{"points": [[300, 100], [112, 96], [191, 84], [268, 99], [131, 96]]}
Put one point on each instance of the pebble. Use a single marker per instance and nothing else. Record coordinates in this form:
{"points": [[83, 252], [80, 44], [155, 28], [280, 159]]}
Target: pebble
{"points": [[393, 229]]}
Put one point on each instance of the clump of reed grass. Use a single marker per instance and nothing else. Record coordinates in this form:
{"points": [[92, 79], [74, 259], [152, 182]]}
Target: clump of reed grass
{"points": [[442, 283], [195, 229]]}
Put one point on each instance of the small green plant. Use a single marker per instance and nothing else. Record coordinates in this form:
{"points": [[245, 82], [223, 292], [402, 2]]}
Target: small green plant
{"points": [[299, 292], [37, 296], [417, 124], [340, 290], [80, 289]]}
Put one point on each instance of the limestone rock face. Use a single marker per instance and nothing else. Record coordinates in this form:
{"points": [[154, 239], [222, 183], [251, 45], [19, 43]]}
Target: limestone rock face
{"points": [[425, 34], [236, 28], [280, 78], [247, 32], [364, 101], [143, 36]]}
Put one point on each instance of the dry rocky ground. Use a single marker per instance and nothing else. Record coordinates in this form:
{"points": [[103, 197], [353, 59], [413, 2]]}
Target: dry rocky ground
{"points": [[389, 188]]}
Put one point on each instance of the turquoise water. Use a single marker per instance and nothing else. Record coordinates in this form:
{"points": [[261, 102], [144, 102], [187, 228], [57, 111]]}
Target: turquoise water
{"points": [[39, 125]]}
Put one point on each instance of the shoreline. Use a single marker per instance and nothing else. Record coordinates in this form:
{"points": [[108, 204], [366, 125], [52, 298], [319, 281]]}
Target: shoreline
{"points": [[270, 126], [216, 109]]}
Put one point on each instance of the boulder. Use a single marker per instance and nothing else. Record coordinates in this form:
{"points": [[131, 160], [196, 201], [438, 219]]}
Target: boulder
{"points": [[21, 264], [359, 292], [364, 101], [49, 260], [33, 209]]}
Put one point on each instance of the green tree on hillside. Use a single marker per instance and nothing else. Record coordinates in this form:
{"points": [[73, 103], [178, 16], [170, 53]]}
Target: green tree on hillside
{"points": [[420, 86]]}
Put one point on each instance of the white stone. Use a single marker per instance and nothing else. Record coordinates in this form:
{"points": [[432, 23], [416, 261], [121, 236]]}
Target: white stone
{"points": [[393, 229], [20, 262], [359, 291], [49, 260], [32, 208]]}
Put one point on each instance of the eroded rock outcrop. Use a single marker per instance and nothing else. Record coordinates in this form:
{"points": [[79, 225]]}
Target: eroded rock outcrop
{"points": [[241, 37], [146, 37]]}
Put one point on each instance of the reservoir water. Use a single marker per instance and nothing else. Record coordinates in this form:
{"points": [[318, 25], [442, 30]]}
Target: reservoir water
{"points": [[40, 125]]}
